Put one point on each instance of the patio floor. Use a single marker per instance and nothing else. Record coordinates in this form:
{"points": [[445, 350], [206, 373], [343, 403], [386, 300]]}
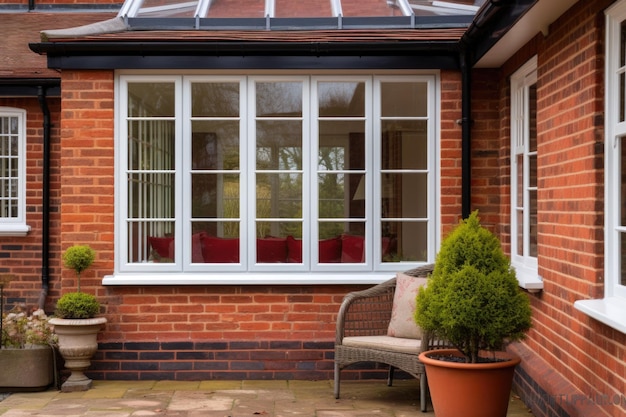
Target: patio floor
{"points": [[229, 399]]}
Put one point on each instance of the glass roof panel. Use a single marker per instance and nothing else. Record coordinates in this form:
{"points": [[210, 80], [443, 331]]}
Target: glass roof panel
{"points": [[296, 8]]}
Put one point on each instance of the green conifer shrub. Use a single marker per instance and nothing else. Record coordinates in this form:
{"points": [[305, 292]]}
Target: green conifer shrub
{"points": [[472, 299]]}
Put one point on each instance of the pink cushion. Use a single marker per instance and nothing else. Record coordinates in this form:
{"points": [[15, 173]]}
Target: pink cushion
{"points": [[163, 246], [330, 250], [352, 249], [294, 250], [197, 254], [271, 250], [220, 250], [402, 323]]}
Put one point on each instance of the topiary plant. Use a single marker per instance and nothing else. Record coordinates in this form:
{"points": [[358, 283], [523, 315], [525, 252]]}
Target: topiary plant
{"points": [[78, 305], [472, 299], [78, 258]]}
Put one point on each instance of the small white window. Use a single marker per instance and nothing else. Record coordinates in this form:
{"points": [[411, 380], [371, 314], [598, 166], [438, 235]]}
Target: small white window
{"points": [[13, 172], [524, 176], [259, 178], [611, 309]]}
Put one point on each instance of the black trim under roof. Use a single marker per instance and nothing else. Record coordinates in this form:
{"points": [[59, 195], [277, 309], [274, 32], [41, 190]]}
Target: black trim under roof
{"points": [[29, 87], [249, 55]]}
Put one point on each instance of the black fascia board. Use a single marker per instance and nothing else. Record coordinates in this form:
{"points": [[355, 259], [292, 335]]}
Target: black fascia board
{"points": [[256, 62], [489, 27], [248, 55], [29, 87]]}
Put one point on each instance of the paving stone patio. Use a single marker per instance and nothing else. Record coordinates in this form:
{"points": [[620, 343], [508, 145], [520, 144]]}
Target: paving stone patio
{"points": [[229, 399]]}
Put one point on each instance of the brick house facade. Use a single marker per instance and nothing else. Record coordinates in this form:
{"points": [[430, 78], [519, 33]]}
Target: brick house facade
{"points": [[573, 364]]}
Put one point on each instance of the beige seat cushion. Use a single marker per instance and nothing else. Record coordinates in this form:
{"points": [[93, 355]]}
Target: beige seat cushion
{"points": [[402, 323], [386, 343]]}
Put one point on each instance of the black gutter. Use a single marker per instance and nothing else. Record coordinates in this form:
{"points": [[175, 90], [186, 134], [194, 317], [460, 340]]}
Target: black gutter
{"points": [[45, 243], [466, 136]]}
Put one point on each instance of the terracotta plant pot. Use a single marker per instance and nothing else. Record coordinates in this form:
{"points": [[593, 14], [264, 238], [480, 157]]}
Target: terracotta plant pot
{"points": [[78, 341], [469, 389], [26, 369]]}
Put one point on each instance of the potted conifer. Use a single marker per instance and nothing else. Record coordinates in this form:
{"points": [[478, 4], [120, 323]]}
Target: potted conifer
{"points": [[75, 323], [472, 301]]}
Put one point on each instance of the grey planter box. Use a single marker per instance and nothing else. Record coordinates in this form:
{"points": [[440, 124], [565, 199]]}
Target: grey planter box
{"points": [[26, 369]]}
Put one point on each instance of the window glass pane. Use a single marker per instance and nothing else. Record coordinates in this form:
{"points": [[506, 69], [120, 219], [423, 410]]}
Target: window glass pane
{"points": [[520, 182], [151, 100], [404, 99], [279, 145], [9, 167], [532, 118], [622, 99], [532, 232], [622, 48], [215, 99], [279, 99], [341, 145], [151, 145], [215, 145], [279, 196], [404, 195], [404, 144], [404, 241], [622, 180], [520, 232], [215, 196], [622, 246], [151, 241], [341, 99], [532, 171]]}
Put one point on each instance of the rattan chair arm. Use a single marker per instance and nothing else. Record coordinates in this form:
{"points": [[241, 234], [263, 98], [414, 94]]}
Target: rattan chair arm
{"points": [[353, 297]]}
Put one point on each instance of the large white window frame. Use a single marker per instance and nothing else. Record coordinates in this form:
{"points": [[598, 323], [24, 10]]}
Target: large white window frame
{"points": [[611, 309], [524, 176], [373, 270], [13, 172]]}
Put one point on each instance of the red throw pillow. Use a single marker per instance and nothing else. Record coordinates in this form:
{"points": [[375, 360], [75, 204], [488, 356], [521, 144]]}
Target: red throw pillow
{"points": [[352, 249], [162, 246], [330, 250], [197, 254], [271, 250], [294, 250], [220, 250]]}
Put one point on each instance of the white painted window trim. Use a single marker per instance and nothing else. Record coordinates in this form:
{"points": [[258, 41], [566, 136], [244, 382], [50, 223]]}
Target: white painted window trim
{"points": [[374, 271], [611, 310], [526, 267], [16, 226]]}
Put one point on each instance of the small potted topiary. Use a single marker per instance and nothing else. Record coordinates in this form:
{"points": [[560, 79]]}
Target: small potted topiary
{"points": [[472, 301], [75, 323]]}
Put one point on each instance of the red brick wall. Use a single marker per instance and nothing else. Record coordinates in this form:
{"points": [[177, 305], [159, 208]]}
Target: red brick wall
{"points": [[567, 355], [22, 256], [200, 332]]}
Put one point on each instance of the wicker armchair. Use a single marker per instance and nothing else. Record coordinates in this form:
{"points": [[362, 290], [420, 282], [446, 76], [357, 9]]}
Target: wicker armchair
{"points": [[367, 313]]}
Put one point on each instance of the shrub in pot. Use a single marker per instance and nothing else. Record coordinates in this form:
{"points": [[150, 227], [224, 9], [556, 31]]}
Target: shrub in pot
{"points": [[474, 303], [76, 325]]}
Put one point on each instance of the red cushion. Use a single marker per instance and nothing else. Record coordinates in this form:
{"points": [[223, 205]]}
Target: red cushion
{"points": [[330, 250], [271, 250], [294, 250], [162, 246], [220, 250], [352, 249]]}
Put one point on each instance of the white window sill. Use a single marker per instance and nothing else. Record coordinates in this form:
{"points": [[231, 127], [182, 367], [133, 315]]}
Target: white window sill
{"points": [[293, 278], [610, 311], [528, 278], [14, 230]]}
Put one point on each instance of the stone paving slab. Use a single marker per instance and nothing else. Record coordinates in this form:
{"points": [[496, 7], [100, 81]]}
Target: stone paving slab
{"points": [[228, 399]]}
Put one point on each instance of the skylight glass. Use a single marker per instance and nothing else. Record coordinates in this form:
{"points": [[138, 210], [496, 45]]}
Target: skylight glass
{"points": [[296, 9]]}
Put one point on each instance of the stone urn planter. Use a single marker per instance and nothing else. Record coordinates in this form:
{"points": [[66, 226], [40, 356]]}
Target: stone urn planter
{"points": [[26, 369], [78, 341]]}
